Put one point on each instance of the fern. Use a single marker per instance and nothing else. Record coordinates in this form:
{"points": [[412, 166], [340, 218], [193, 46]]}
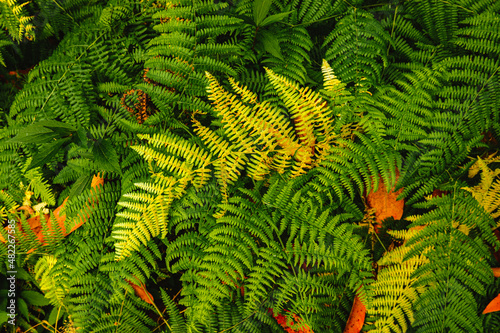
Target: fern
{"points": [[173, 66], [486, 193], [454, 262], [356, 47], [16, 19], [211, 172]]}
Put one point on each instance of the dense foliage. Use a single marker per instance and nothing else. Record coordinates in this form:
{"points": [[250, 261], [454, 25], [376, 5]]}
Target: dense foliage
{"points": [[210, 166]]}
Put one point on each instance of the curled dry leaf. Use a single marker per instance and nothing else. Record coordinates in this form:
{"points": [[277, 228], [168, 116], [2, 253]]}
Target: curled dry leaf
{"points": [[356, 318]]}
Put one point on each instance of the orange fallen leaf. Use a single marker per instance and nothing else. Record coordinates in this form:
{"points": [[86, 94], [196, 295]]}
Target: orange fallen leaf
{"points": [[59, 219], [356, 318], [496, 271], [35, 221], [28, 209], [385, 203], [493, 306], [142, 293]]}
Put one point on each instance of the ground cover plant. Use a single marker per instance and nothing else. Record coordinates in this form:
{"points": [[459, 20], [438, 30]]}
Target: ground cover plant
{"points": [[250, 166]]}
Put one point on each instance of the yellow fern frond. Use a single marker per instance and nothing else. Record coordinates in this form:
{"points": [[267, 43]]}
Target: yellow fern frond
{"points": [[394, 291], [217, 145], [202, 175], [172, 185], [178, 146], [487, 192], [170, 163], [227, 169], [308, 110], [152, 222], [247, 96], [263, 129], [395, 296], [193, 155], [331, 82], [259, 166], [54, 287], [141, 197], [243, 125]]}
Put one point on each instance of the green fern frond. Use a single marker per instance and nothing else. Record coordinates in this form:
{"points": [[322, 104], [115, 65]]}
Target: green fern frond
{"points": [[356, 47], [456, 263]]}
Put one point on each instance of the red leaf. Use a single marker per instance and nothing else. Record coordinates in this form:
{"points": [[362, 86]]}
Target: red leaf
{"points": [[356, 318], [438, 193], [142, 293], [280, 319], [493, 306]]}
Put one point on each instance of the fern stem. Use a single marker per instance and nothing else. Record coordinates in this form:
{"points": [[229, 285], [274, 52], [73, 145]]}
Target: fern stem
{"points": [[67, 70], [43, 323], [482, 88], [454, 4], [66, 12], [255, 38], [393, 26], [380, 241], [311, 22], [452, 218], [121, 308], [55, 325]]}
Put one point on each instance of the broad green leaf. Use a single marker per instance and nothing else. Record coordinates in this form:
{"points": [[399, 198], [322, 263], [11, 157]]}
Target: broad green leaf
{"points": [[59, 127], [23, 275], [23, 308], [274, 18], [34, 298], [271, 44], [81, 137], [105, 156], [47, 151], [3, 317], [43, 131], [81, 184], [35, 134], [260, 10]]}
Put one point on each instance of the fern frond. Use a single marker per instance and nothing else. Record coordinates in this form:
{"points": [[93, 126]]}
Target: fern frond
{"points": [[151, 222], [356, 47], [487, 193], [456, 262]]}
